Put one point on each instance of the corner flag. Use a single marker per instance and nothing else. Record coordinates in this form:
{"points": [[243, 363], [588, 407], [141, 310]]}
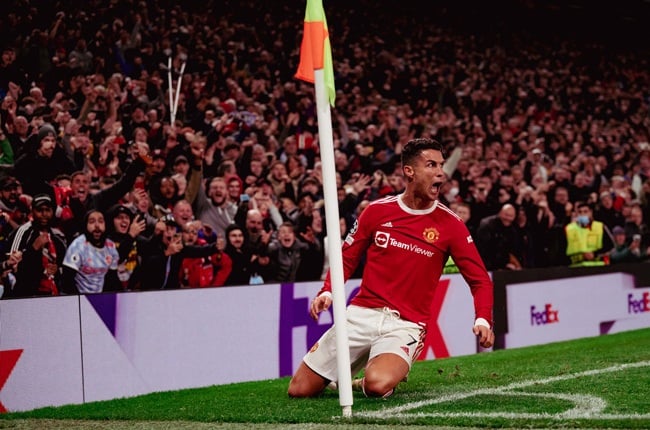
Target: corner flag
{"points": [[315, 50], [316, 67]]}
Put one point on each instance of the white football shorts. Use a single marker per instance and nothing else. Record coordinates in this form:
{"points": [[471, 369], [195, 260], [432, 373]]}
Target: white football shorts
{"points": [[370, 332]]}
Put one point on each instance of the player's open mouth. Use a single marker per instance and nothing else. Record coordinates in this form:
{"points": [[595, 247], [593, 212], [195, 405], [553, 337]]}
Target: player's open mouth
{"points": [[436, 186]]}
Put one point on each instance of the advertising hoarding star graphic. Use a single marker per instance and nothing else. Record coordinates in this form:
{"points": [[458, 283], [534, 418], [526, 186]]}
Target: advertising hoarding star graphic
{"points": [[8, 360]]}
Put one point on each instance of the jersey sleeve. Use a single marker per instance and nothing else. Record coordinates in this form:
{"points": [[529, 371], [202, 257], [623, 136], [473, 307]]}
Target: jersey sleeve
{"points": [[115, 258], [73, 256], [469, 262], [354, 246]]}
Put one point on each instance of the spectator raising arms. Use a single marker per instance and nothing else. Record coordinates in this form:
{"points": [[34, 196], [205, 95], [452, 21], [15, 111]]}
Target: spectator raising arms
{"points": [[124, 228], [36, 169], [86, 101], [208, 271], [163, 254]]}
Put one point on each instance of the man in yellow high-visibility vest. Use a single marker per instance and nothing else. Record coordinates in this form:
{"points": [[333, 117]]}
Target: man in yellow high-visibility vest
{"points": [[587, 240]]}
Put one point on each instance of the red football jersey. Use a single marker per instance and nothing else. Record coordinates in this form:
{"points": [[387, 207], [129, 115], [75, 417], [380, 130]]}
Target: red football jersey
{"points": [[406, 253]]}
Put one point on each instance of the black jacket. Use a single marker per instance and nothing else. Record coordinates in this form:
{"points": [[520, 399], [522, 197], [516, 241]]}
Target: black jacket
{"points": [[30, 269], [157, 271]]}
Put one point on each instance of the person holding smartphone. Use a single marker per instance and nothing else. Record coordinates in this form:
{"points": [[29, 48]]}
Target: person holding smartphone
{"points": [[163, 254], [624, 252]]}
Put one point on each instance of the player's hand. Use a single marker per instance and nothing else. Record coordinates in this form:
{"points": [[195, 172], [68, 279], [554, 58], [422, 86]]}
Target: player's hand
{"points": [[319, 304], [485, 336]]}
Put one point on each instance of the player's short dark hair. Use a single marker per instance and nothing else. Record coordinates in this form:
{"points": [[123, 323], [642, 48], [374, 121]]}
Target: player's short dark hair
{"points": [[414, 147]]}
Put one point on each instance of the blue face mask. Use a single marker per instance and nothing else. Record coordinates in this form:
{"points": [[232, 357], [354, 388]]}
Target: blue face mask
{"points": [[583, 220]]}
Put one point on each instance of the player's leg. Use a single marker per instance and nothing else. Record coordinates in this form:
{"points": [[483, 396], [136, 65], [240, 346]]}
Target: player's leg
{"points": [[306, 383], [383, 373], [317, 369], [319, 365], [391, 354]]}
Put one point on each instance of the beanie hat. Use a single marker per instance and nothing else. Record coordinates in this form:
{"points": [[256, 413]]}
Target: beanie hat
{"points": [[46, 130]]}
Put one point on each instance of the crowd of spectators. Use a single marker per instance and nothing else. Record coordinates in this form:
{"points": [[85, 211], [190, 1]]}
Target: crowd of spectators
{"points": [[230, 193]]}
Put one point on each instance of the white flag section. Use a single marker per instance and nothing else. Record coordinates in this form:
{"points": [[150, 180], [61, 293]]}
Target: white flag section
{"points": [[333, 229]]}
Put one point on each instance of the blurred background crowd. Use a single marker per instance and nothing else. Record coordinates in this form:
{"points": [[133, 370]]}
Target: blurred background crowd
{"points": [[542, 109]]}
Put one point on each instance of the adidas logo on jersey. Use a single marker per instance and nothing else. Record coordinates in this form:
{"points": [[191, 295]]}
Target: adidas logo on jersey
{"points": [[387, 224]]}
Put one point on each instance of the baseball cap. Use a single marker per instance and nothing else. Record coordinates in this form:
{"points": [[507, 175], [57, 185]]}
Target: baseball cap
{"points": [[618, 230], [9, 182], [117, 209], [42, 199], [180, 159]]}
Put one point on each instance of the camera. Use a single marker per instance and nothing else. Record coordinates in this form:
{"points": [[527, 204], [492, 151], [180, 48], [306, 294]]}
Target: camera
{"points": [[636, 238]]}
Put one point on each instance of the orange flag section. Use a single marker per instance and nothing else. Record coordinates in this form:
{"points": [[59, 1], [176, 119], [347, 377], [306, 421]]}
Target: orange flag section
{"points": [[315, 50], [312, 50]]}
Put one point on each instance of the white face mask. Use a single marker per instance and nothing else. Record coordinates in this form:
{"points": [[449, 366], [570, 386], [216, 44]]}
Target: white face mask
{"points": [[451, 194]]}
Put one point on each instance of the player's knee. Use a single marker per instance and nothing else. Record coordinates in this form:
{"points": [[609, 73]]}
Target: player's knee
{"points": [[295, 390], [298, 390], [377, 387]]}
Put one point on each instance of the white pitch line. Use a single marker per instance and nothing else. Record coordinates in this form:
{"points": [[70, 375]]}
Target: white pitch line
{"points": [[509, 415], [586, 407]]}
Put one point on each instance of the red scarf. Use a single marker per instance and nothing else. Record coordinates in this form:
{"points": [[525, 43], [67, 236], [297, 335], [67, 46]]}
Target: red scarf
{"points": [[47, 284]]}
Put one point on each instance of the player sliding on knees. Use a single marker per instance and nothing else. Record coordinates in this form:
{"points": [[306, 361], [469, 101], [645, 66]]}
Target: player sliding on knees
{"points": [[407, 239]]}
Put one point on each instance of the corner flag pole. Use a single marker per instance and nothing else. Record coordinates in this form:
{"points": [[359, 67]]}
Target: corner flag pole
{"points": [[316, 67], [334, 244]]}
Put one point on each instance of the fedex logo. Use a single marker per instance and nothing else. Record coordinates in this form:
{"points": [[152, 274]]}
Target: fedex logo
{"points": [[545, 316], [635, 306]]}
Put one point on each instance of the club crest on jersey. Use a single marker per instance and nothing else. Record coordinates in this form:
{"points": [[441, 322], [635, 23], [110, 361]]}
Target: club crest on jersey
{"points": [[381, 239], [431, 234]]}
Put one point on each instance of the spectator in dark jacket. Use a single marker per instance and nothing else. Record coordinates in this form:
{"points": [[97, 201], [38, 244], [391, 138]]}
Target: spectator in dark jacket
{"points": [[498, 242], [289, 255], [39, 273], [163, 254], [36, 170]]}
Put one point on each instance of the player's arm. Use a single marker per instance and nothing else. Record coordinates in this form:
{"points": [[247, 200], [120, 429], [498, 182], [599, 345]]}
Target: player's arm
{"points": [[354, 246], [471, 266]]}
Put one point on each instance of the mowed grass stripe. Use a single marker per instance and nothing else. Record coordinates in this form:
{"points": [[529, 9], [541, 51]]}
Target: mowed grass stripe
{"points": [[266, 405]]}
